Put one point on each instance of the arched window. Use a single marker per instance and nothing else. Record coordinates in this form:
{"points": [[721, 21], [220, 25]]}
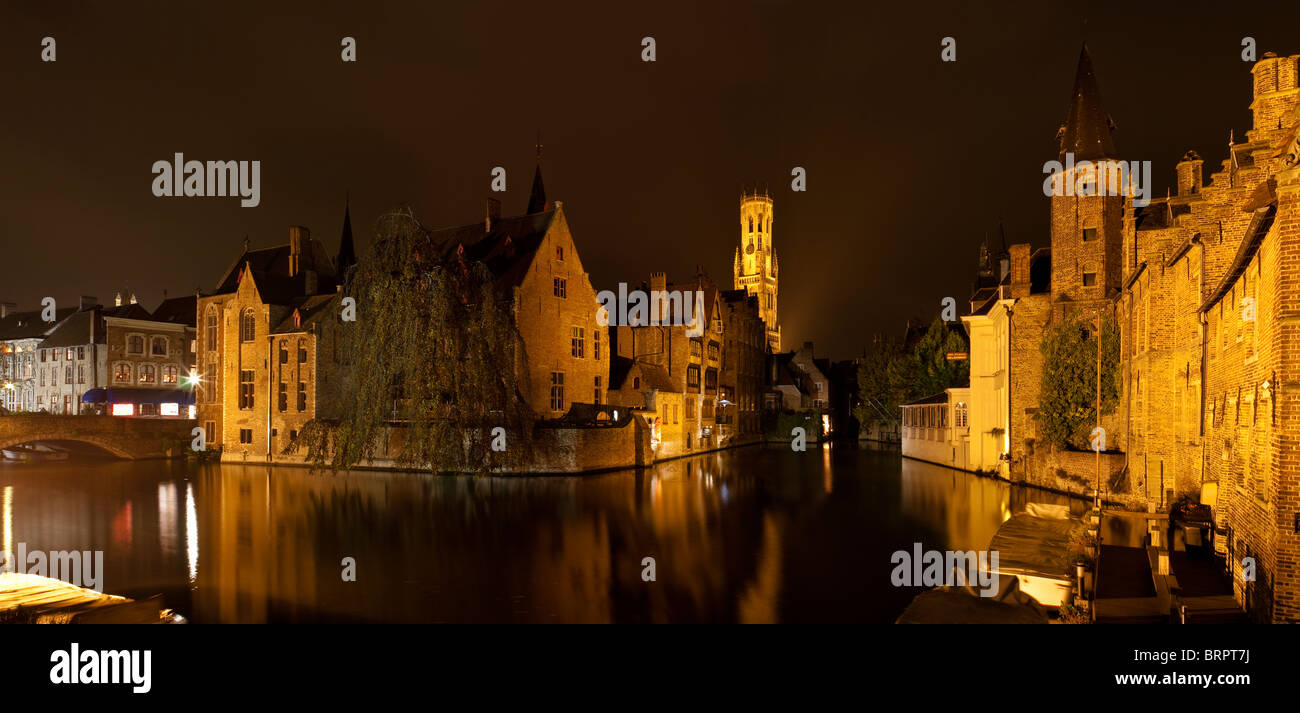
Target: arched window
{"points": [[247, 327], [959, 415], [158, 346], [122, 372], [148, 373], [211, 337], [135, 344]]}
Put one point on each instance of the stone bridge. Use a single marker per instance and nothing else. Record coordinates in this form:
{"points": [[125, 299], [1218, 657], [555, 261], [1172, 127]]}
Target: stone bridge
{"points": [[130, 438]]}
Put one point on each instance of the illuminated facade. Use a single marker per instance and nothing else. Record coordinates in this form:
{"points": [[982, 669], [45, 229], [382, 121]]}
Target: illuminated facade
{"points": [[756, 264]]}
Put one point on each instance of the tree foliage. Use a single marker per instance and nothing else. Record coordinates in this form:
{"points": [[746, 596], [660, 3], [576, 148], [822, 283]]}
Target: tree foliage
{"points": [[889, 375], [1067, 409], [431, 357]]}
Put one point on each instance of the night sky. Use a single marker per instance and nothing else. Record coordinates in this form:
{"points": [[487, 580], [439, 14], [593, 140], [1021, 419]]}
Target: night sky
{"points": [[910, 161]]}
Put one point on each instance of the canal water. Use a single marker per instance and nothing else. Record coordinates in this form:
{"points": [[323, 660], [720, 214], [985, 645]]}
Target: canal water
{"points": [[757, 534]]}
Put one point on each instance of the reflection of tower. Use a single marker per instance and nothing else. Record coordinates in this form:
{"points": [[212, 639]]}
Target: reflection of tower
{"points": [[756, 263]]}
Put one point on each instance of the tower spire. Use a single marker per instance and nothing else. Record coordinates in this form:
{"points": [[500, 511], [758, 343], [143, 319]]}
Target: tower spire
{"points": [[537, 198], [347, 253], [1087, 129]]}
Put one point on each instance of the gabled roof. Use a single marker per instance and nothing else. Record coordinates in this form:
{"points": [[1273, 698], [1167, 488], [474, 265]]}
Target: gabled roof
{"points": [[177, 310], [1087, 128], [312, 311], [507, 249], [653, 376], [74, 331], [28, 325], [270, 268]]}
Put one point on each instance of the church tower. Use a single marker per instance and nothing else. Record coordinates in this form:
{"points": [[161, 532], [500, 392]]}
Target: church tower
{"points": [[756, 263], [1087, 221]]}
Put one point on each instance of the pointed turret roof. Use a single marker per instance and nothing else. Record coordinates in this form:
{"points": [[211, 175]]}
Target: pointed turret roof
{"points": [[1087, 129], [537, 198], [347, 256]]}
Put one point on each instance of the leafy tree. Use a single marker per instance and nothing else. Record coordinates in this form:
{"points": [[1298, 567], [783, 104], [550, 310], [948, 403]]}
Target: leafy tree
{"points": [[881, 388], [432, 357], [934, 372], [1067, 408], [889, 376]]}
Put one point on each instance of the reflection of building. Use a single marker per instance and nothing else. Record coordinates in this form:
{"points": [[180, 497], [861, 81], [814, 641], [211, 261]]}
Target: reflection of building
{"points": [[756, 264], [936, 428]]}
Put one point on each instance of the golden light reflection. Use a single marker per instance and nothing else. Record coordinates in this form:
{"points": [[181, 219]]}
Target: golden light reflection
{"points": [[8, 519], [191, 533]]}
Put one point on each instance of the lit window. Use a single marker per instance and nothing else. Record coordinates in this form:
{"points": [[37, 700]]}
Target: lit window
{"points": [[247, 327], [148, 373], [557, 391], [169, 409], [122, 409], [170, 374], [122, 372]]}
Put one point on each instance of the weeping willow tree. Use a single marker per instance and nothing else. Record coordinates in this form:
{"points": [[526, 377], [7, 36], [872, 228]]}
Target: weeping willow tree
{"points": [[430, 359]]}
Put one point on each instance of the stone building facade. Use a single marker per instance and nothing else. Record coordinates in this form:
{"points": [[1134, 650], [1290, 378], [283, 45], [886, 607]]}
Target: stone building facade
{"points": [[743, 373], [756, 266], [267, 341]]}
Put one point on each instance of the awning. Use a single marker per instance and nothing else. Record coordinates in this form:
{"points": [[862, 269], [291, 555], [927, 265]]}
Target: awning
{"points": [[182, 397]]}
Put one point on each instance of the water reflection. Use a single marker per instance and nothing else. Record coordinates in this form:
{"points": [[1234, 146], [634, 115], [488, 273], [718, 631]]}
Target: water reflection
{"points": [[749, 535]]}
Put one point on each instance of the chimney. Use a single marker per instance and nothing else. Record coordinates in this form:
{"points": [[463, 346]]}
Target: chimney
{"points": [[493, 214], [1275, 80], [1189, 174], [87, 301], [1020, 281], [298, 235]]}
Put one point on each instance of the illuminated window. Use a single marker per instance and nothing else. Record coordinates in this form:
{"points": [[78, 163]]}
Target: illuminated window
{"points": [[576, 342], [122, 372], [246, 394], [211, 332], [557, 391], [170, 374], [169, 409], [247, 327], [120, 409], [148, 373]]}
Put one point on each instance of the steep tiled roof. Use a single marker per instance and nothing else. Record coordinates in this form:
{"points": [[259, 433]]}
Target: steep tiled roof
{"points": [[507, 249], [28, 325], [178, 310], [1087, 128]]}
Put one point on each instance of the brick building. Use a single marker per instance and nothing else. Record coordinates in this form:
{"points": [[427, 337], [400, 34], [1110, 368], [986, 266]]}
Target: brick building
{"points": [[268, 339], [743, 373]]}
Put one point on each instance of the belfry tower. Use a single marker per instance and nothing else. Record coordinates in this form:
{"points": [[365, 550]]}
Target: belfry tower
{"points": [[756, 264]]}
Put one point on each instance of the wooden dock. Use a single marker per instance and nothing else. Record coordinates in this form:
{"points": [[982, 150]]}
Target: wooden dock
{"points": [[32, 599]]}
